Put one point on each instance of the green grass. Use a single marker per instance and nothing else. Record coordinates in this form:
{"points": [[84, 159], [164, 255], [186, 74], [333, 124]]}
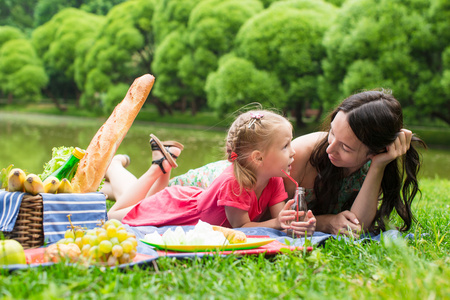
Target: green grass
{"points": [[417, 268]]}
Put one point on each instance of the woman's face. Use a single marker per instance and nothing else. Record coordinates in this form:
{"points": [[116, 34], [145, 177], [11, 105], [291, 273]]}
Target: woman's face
{"points": [[344, 149]]}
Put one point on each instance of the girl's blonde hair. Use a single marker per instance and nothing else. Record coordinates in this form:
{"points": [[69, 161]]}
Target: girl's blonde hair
{"points": [[252, 130]]}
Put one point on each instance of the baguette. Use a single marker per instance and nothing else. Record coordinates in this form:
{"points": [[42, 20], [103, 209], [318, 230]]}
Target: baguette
{"points": [[103, 146], [233, 236]]}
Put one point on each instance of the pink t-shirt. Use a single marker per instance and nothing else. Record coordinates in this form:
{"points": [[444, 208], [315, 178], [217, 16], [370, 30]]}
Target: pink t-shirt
{"points": [[185, 205]]}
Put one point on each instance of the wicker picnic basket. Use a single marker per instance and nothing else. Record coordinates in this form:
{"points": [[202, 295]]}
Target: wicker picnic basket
{"points": [[28, 230]]}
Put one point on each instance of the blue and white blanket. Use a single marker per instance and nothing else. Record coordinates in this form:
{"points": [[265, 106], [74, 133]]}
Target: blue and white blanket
{"points": [[86, 210], [9, 209], [319, 238]]}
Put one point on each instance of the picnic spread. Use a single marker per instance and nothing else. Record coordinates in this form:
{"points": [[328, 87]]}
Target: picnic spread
{"points": [[58, 216]]}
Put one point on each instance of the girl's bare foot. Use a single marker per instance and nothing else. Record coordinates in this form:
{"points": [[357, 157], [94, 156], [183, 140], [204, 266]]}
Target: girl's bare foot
{"points": [[118, 161], [123, 158]]}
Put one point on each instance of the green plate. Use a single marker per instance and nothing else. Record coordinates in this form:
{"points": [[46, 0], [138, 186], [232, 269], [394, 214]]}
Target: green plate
{"points": [[251, 243]]}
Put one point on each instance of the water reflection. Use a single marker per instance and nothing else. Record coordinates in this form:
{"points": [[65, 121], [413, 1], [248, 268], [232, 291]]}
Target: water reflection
{"points": [[27, 141]]}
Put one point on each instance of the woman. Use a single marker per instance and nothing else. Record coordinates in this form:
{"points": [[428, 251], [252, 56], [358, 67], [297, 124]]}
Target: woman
{"points": [[361, 169]]}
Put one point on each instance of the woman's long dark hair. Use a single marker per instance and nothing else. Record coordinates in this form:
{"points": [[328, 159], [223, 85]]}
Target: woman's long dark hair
{"points": [[375, 117]]}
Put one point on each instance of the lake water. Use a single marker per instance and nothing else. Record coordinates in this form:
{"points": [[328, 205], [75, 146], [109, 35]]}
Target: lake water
{"points": [[27, 141]]}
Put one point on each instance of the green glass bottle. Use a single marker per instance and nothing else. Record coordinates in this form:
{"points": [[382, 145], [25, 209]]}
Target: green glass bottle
{"points": [[68, 169]]}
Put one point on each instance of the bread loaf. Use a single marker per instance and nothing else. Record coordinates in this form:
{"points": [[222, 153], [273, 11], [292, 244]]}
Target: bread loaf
{"points": [[102, 148], [233, 236]]}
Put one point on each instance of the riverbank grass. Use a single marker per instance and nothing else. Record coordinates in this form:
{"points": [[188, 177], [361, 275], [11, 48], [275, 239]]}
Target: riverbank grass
{"points": [[408, 268]]}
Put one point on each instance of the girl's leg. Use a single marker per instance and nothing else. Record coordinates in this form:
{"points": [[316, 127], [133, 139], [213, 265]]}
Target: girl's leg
{"points": [[149, 183], [163, 181], [118, 178]]}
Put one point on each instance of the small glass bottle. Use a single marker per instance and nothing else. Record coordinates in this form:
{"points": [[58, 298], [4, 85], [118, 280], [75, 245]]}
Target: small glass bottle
{"points": [[299, 202], [68, 169]]}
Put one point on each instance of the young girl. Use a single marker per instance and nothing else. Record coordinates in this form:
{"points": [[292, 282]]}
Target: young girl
{"points": [[259, 148]]}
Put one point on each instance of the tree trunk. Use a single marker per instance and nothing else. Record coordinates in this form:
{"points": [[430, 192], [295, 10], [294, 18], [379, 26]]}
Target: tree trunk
{"points": [[10, 99], [55, 101], [441, 116], [158, 105], [183, 104], [194, 107], [319, 115], [77, 96], [298, 115]]}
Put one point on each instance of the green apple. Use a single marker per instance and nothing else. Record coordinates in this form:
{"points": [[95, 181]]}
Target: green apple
{"points": [[11, 252]]}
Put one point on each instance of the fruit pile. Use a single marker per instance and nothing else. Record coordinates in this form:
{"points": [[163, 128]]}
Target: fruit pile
{"points": [[109, 244], [18, 181]]}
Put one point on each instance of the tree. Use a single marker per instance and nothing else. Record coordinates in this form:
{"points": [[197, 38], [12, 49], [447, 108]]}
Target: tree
{"points": [[8, 33], [286, 40], [21, 72], [170, 21], [123, 50], [398, 45], [56, 42], [237, 82], [211, 32], [432, 96], [46, 9], [99, 7], [17, 13], [170, 16]]}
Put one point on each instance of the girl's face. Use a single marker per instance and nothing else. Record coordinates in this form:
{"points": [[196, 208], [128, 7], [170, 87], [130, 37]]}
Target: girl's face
{"points": [[345, 150], [280, 155]]}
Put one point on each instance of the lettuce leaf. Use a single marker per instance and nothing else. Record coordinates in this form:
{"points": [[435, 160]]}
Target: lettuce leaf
{"points": [[4, 176], [59, 156]]}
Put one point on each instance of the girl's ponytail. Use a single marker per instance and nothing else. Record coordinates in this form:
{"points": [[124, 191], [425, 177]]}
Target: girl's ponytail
{"points": [[252, 130]]}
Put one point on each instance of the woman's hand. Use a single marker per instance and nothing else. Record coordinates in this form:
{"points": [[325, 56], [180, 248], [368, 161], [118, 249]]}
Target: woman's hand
{"points": [[394, 150], [307, 226], [344, 222]]}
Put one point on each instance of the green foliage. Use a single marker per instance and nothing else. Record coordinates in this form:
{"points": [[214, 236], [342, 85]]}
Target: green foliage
{"points": [[99, 7], [211, 31], [286, 40], [121, 51], [185, 57], [8, 33], [171, 16], [114, 96], [46, 9], [237, 82], [320, 51], [165, 67], [392, 44], [17, 13], [56, 41], [21, 72]]}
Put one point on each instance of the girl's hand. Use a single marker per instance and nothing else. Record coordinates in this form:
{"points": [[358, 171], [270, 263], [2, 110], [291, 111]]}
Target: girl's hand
{"points": [[394, 150], [286, 215], [307, 226]]}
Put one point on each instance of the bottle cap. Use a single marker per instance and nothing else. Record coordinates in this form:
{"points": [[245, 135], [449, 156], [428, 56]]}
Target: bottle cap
{"points": [[78, 153]]}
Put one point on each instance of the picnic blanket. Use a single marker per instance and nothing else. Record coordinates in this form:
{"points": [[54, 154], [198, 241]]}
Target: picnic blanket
{"points": [[9, 209], [281, 239], [86, 210]]}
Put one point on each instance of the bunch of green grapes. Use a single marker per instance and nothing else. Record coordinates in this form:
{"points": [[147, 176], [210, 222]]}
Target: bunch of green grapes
{"points": [[109, 244]]}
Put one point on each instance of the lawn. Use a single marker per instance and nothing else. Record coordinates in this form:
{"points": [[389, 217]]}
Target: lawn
{"points": [[417, 268]]}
